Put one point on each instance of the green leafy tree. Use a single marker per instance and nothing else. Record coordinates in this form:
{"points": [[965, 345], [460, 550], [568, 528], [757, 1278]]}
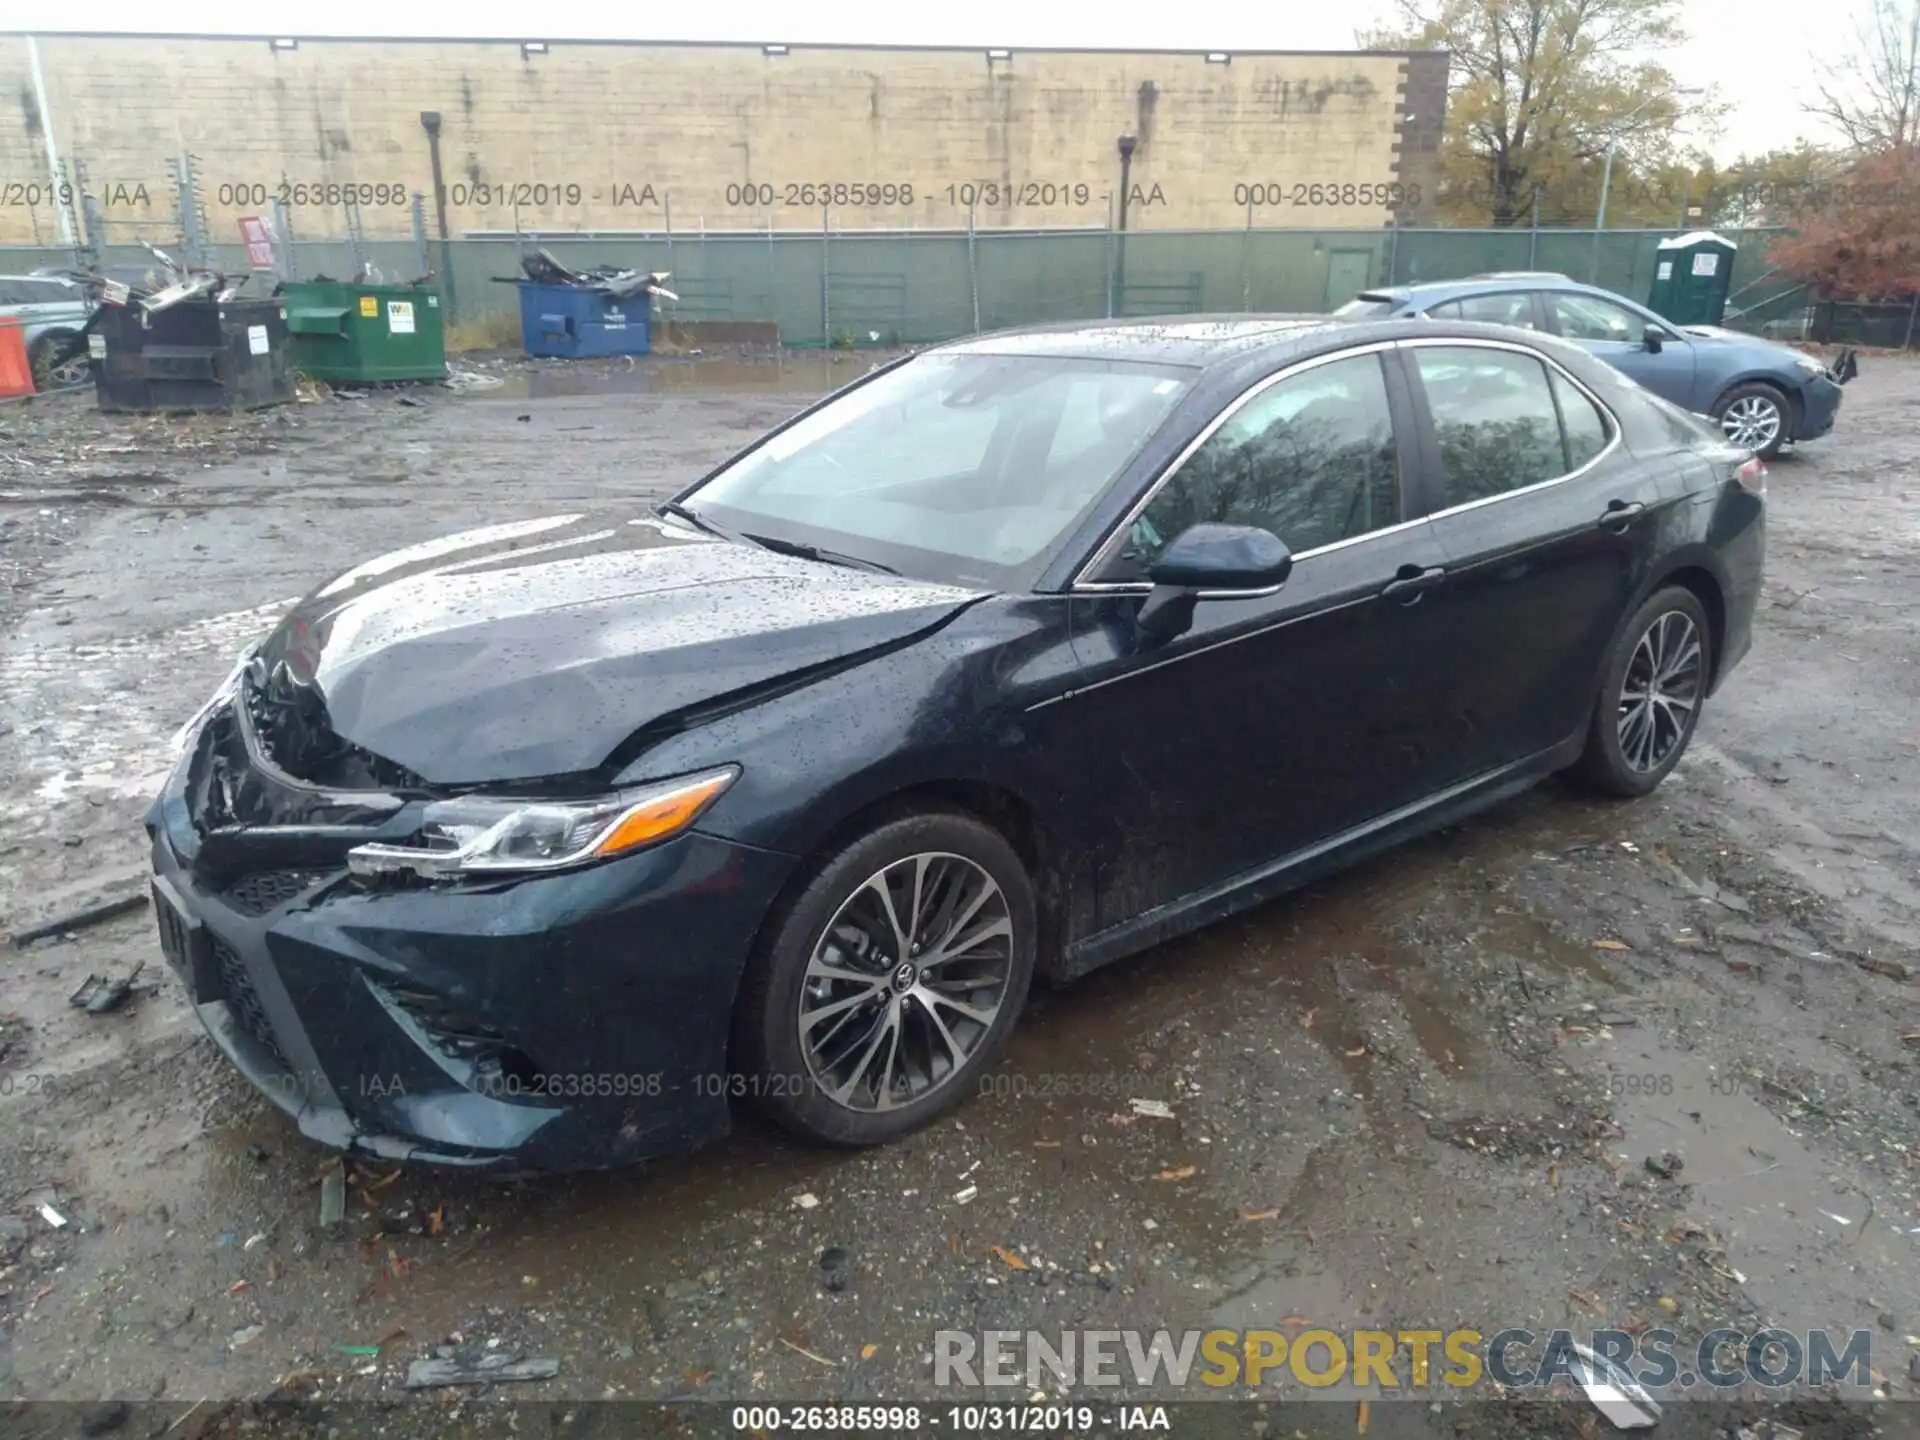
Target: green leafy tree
{"points": [[1538, 90]]}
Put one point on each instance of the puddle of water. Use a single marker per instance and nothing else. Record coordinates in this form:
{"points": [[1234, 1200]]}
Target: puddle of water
{"points": [[807, 373], [1812, 1245]]}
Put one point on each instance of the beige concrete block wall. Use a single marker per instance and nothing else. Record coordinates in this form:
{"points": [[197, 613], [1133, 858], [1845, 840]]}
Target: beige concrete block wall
{"points": [[616, 136]]}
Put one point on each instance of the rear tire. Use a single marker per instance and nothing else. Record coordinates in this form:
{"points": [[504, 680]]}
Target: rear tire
{"points": [[1756, 417], [1651, 690], [859, 1019]]}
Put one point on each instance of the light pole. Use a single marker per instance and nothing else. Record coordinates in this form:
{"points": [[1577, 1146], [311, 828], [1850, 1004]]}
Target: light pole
{"points": [[1606, 183]]}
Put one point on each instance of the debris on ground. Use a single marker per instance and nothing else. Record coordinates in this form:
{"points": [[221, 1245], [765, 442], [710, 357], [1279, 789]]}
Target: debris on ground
{"points": [[53, 1217], [486, 1370], [1666, 1165], [98, 995], [333, 1197], [1152, 1109], [1613, 1392]]}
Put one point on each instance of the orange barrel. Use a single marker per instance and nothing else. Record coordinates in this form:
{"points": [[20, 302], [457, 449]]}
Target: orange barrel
{"points": [[16, 375]]}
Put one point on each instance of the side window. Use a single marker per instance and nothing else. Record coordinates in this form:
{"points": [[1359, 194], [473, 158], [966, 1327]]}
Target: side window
{"points": [[1311, 458], [1587, 317], [1581, 421], [1495, 418], [1448, 311], [1508, 309]]}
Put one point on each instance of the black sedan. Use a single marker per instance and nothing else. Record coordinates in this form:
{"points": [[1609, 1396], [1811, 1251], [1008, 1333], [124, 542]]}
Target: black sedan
{"points": [[537, 846]]}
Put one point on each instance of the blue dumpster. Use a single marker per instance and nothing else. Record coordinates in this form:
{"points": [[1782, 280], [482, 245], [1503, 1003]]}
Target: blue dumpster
{"points": [[572, 320]]}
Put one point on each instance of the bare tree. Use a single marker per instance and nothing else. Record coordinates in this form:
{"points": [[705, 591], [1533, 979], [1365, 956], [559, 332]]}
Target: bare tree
{"points": [[1873, 99]]}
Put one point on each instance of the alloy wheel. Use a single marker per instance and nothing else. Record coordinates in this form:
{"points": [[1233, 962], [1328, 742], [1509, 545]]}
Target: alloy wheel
{"points": [[75, 370], [1661, 691], [906, 981], [1751, 422]]}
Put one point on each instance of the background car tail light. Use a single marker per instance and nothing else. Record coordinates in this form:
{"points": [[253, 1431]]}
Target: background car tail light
{"points": [[1752, 476]]}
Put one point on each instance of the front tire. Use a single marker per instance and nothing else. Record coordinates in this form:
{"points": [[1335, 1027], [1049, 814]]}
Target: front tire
{"points": [[1756, 417], [1651, 690], [50, 370], [888, 984]]}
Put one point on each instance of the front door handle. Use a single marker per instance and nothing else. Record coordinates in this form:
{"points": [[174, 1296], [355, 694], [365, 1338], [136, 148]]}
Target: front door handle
{"points": [[1412, 583], [1619, 515]]}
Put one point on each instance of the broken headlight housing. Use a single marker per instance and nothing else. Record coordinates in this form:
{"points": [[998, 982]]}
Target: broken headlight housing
{"points": [[225, 691], [486, 835]]}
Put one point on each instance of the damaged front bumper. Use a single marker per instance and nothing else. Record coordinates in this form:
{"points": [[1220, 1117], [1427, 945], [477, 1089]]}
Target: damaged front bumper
{"points": [[565, 1021]]}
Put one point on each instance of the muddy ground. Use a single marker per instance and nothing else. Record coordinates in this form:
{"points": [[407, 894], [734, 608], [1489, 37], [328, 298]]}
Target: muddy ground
{"points": [[1422, 1095]]}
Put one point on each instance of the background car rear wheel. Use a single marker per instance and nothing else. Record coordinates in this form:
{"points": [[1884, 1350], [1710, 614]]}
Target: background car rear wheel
{"points": [[1651, 691], [1756, 417], [52, 367], [890, 982]]}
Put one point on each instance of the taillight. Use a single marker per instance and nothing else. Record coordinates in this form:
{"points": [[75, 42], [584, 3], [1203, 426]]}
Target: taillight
{"points": [[1752, 476]]}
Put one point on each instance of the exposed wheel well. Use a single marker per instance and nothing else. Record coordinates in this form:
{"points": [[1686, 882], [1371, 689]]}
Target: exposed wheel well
{"points": [[993, 805], [1706, 590]]}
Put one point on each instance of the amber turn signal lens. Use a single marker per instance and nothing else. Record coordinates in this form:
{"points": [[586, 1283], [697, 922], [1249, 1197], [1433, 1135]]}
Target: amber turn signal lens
{"points": [[660, 816]]}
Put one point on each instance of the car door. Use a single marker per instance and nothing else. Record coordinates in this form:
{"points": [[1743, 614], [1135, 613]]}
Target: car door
{"points": [[1618, 336], [1547, 524], [1279, 718]]}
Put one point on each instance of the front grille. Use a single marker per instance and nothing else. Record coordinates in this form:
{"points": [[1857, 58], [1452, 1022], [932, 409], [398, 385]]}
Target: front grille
{"points": [[264, 890], [242, 998]]}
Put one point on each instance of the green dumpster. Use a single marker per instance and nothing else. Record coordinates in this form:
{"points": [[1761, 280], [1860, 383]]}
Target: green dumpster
{"points": [[1692, 275], [366, 332]]}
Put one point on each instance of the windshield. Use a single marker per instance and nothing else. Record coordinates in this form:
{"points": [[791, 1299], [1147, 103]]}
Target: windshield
{"points": [[1367, 306], [962, 467]]}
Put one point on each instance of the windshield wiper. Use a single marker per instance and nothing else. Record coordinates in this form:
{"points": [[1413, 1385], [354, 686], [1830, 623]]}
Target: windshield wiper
{"points": [[814, 552]]}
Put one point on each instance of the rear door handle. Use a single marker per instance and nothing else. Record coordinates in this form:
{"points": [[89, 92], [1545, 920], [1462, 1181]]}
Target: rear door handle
{"points": [[1413, 583], [1620, 514]]}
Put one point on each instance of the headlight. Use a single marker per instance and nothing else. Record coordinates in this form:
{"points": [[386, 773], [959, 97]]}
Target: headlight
{"points": [[1809, 366], [489, 835]]}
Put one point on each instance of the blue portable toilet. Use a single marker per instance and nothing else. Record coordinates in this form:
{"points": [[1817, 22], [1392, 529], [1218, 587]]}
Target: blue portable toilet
{"points": [[571, 321]]}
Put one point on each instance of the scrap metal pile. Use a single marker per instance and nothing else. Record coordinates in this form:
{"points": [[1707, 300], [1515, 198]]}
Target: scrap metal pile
{"points": [[621, 284], [162, 286]]}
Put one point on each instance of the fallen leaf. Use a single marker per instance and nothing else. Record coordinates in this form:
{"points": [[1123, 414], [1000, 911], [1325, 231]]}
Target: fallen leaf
{"points": [[1611, 945], [1008, 1258], [867, 1352], [1270, 1214], [392, 1335], [1553, 1177], [1047, 1144], [384, 1181], [1588, 1301], [1306, 1020], [1294, 1322], [237, 1286], [954, 1246], [1178, 1172], [397, 1264], [436, 1219], [697, 1378]]}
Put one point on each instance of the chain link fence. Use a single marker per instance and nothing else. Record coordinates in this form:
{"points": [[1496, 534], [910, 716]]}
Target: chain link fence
{"points": [[847, 288]]}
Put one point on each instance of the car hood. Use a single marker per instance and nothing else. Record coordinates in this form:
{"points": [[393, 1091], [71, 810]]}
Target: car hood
{"points": [[535, 649]]}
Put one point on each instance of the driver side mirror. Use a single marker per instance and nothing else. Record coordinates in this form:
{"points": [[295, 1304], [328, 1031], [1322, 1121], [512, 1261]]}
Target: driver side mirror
{"points": [[1653, 337], [1210, 561]]}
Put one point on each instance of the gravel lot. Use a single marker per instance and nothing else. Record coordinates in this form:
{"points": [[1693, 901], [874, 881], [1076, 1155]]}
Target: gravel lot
{"points": [[1422, 1095]]}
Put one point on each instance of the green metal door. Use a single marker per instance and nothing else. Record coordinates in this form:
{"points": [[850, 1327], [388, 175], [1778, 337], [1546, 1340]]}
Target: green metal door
{"points": [[1348, 273]]}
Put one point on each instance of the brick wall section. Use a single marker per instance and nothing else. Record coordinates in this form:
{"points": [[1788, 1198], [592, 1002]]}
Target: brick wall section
{"points": [[1422, 118], [609, 136]]}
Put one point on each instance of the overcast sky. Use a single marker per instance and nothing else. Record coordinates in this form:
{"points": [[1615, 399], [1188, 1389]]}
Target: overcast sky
{"points": [[1760, 54]]}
